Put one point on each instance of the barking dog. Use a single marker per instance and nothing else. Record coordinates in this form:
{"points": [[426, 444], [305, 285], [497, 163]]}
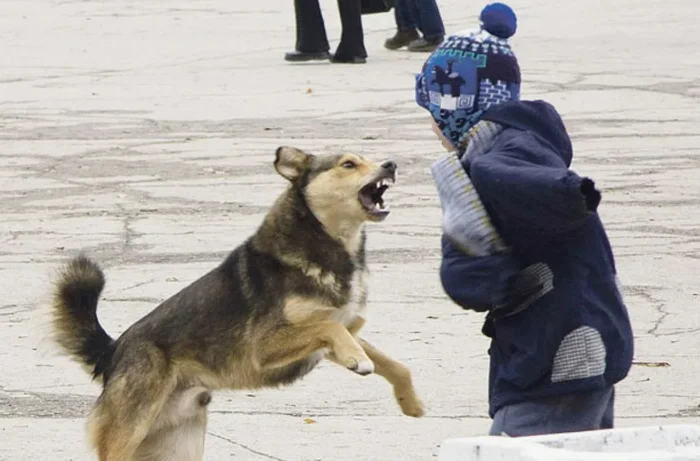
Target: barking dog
{"points": [[290, 295]]}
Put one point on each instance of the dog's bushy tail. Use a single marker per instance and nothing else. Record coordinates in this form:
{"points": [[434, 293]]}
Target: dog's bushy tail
{"points": [[76, 328]]}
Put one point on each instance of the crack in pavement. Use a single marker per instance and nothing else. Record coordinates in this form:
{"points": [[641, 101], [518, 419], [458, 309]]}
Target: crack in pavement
{"points": [[245, 447], [28, 404], [657, 304], [136, 299]]}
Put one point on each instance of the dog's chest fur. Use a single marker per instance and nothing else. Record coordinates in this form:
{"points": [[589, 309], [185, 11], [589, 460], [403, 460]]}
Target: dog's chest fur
{"points": [[357, 299], [345, 288], [348, 294]]}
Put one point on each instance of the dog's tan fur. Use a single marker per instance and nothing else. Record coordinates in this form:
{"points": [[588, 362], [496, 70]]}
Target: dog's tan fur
{"points": [[293, 293]]}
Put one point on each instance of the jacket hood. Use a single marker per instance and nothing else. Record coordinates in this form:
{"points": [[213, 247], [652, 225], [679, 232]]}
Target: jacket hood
{"points": [[538, 117]]}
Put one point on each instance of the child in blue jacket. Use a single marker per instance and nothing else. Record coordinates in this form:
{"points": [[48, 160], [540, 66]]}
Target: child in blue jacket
{"points": [[522, 240]]}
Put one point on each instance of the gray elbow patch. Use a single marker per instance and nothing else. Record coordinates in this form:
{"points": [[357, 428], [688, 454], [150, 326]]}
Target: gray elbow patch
{"points": [[581, 354], [531, 284]]}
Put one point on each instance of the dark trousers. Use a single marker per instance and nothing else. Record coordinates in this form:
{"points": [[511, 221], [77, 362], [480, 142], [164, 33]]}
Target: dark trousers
{"points": [[585, 411], [311, 30], [423, 15]]}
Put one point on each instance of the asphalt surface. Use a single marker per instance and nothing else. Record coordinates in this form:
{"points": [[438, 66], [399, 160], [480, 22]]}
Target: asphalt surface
{"points": [[144, 134]]}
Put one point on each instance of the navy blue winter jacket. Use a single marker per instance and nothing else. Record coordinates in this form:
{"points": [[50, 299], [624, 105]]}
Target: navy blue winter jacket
{"points": [[576, 334]]}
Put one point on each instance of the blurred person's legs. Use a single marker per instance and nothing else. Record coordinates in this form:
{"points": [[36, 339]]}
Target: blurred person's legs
{"points": [[312, 42], [351, 48], [417, 15], [430, 24], [406, 25]]}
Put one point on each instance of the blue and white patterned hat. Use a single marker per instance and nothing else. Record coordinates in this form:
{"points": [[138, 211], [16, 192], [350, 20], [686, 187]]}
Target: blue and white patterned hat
{"points": [[469, 72]]}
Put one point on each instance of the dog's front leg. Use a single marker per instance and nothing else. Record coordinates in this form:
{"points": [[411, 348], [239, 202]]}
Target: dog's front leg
{"points": [[356, 325], [399, 376], [295, 342]]}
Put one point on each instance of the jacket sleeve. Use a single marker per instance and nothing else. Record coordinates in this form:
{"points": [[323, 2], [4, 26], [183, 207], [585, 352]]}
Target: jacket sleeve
{"points": [[475, 282], [547, 199]]}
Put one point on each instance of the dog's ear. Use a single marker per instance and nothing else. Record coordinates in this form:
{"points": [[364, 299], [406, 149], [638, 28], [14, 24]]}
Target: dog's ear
{"points": [[291, 162]]}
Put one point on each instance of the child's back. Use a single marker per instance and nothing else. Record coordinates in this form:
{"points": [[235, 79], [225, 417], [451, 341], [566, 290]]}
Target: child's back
{"points": [[572, 333], [561, 336]]}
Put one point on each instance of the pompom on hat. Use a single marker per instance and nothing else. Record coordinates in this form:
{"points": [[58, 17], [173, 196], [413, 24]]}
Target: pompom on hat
{"points": [[470, 72], [499, 19]]}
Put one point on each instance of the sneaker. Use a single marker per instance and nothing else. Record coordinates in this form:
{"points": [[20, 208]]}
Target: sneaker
{"points": [[424, 45], [401, 38]]}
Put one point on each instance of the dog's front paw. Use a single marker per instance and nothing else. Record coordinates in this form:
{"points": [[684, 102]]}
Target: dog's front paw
{"points": [[363, 367]]}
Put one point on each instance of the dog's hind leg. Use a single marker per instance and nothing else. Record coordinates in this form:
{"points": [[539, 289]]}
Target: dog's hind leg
{"points": [[187, 441], [399, 376], [180, 429], [133, 398]]}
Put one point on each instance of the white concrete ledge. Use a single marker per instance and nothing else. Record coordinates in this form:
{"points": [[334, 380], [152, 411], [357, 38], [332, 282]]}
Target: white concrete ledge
{"points": [[652, 443]]}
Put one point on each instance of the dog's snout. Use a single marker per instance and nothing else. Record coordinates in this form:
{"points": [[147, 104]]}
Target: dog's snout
{"points": [[390, 166]]}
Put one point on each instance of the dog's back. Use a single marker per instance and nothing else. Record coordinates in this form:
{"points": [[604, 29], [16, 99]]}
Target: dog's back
{"points": [[211, 329]]}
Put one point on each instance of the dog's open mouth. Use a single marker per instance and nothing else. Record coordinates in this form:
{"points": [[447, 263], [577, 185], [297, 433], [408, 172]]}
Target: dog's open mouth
{"points": [[371, 197]]}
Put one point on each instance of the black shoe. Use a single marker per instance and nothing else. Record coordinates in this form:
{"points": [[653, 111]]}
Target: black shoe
{"points": [[400, 39], [338, 59], [424, 45], [300, 56]]}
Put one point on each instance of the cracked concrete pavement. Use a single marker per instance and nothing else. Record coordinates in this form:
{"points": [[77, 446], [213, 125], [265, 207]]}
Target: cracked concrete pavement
{"points": [[143, 132]]}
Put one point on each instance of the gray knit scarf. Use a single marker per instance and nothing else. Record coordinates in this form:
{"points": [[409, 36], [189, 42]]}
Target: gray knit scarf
{"points": [[464, 219]]}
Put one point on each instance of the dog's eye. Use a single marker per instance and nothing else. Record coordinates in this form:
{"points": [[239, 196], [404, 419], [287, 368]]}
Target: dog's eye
{"points": [[349, 164]]}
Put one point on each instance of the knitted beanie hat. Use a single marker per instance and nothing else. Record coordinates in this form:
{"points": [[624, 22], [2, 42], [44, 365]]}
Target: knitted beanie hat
{"points": [[469, 72]]}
